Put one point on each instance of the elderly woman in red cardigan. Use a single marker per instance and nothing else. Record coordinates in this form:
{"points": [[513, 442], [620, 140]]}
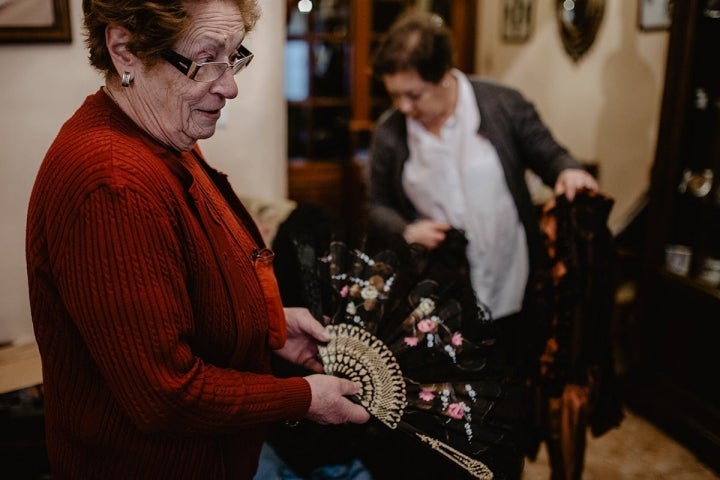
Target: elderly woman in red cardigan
{"points": [[153, 298]]}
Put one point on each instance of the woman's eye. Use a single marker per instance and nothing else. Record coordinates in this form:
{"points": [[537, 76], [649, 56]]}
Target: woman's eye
{"points": [[205, 59]]}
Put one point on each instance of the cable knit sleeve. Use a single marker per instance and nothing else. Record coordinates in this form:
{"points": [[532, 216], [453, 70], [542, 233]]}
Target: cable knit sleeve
{"points": [[121, 275]]}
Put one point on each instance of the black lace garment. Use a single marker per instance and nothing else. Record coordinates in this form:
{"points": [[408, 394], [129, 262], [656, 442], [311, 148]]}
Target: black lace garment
{"points": [[497, 417]]}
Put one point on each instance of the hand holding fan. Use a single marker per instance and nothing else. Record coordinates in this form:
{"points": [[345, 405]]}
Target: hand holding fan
{"points": [[356, 354]]}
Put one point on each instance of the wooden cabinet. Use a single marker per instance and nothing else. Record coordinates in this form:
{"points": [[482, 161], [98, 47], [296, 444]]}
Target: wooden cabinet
{"points": [[332, 99], [674, 377]]}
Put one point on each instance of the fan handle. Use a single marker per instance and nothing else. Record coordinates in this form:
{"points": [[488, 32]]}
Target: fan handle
{"points": [[474, 467]]}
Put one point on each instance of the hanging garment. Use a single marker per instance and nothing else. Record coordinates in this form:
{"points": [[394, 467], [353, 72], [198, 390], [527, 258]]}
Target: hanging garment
{"points": [[572, 302]]}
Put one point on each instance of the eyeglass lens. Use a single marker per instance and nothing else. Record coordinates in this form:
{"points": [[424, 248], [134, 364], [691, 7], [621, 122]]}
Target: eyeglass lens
{"points": [[211, 71]]}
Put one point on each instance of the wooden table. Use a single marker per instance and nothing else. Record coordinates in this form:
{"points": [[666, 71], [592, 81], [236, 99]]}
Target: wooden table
{"points": [[19, 367], [22, 432]]}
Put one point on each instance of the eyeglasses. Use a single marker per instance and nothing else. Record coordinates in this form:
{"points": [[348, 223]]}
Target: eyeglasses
{"points": [[209, 71]]}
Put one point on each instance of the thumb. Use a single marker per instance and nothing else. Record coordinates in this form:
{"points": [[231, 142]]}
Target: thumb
{"points": [[319, 332], [348, 388], [357, 414], [316, 330]]}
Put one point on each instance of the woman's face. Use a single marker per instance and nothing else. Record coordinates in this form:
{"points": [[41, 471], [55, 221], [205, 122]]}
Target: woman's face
{"points": [[414, 97], [179, 111]]}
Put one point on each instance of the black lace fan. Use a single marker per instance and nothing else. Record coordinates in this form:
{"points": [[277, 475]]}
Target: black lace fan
{"points": [[406, 325]]}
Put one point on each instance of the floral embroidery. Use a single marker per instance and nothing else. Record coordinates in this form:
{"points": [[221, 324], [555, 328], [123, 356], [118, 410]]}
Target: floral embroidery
{"points": [[362, 286], [456, 410], [363, 283], [369, 293], [427, 305], [426, 395], [453, 400], [427, 325]]}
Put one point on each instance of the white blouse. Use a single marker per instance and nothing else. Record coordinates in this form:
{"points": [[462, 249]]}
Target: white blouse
{"points": [[457, 178]]}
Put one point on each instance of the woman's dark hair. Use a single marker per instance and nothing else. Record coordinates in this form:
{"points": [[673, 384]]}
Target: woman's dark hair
{"points": [[418, 41], [155, 26]]}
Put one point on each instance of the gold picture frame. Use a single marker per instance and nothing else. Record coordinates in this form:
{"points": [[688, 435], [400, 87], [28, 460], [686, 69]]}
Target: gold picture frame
{"points": [[35, 21], [517, 20]]}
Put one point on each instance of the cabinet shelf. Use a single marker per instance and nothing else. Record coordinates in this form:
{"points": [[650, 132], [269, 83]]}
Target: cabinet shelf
{"points": [[691, 286], [673, 377]]}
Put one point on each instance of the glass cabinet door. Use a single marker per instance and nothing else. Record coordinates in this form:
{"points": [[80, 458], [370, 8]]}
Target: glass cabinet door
{"points": [[693, 245], [317, 78]]}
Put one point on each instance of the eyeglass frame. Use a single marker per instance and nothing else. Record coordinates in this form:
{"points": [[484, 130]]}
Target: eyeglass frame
{"points": [[190, 69]]}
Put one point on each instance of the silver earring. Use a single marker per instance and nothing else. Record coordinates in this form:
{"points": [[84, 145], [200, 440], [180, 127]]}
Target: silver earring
{"points": [[126, 79]]}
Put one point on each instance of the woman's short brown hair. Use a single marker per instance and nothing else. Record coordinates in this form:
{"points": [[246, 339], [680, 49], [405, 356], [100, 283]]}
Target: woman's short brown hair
{"points": [[418, 41], [155, 26]]}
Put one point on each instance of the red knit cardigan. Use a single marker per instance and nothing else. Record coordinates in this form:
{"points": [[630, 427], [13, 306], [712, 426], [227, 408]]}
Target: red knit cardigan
{"points": [[151, 320]]}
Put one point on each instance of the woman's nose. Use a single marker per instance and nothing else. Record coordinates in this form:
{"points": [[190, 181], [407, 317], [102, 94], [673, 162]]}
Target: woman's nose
{"points": [[226, 85], [404, 105]]}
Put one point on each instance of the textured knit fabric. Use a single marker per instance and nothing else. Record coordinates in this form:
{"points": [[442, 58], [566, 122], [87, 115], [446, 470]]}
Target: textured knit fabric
{"points": [[154, 327], [514, 128]]}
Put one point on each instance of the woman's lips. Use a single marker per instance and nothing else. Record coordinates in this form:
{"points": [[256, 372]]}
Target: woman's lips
{"points": [[213, 114]]}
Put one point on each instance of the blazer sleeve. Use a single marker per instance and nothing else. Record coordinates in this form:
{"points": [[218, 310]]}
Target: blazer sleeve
{"points": [[388, 207]]}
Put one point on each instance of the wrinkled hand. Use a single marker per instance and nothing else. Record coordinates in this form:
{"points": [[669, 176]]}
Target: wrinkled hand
{"points": [[427, 233], [303, 335], [572, 180], [330, 405]]}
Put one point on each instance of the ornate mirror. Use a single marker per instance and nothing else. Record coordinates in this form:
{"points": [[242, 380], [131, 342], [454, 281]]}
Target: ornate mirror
{"points": [[579, 21]]}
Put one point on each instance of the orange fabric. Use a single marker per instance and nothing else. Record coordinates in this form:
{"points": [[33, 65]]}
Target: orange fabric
{"points": [[567, 416], [565, 411], [277, 331]]}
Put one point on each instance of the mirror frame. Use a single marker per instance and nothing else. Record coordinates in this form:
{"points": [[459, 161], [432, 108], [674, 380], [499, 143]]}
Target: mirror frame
{"points": [[579, 22]]}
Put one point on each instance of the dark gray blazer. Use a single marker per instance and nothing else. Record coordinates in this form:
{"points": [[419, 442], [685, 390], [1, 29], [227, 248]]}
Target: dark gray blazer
{"points": [[512, 125]]}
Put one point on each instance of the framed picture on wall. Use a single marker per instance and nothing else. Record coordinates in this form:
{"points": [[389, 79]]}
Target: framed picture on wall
{"points": [[33, 21], [517, 20], [654, 14]]}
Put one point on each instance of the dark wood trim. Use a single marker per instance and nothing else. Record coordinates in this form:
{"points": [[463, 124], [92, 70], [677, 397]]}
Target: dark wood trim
{"points": [[463, 23], [58, 31]]}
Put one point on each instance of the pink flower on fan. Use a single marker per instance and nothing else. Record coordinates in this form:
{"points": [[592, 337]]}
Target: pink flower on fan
{"points": [[427, 325], [456, 410], [344, 291], [457, 339], [411, 341], [426, 395]]}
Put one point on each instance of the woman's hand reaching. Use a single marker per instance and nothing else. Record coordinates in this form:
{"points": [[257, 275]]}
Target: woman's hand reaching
{"points": [[572, 180], [427, 233], [303, 335]]}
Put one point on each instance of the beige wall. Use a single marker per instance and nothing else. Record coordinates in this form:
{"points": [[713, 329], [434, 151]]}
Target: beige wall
{"points": [[43, 84], [604, 107]]}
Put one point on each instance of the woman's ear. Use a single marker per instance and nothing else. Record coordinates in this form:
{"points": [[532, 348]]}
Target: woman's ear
{"points": [[117, 39]]}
